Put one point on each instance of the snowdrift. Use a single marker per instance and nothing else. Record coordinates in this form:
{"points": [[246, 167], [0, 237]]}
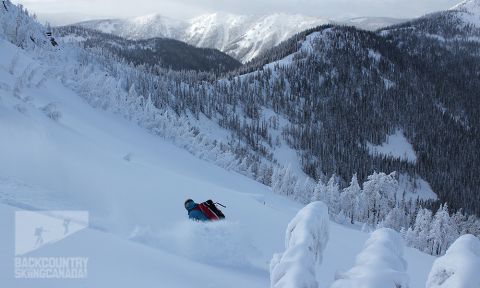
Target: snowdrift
{"points": [[459, 267], [379, 265], [306, 238], [221, 243]]}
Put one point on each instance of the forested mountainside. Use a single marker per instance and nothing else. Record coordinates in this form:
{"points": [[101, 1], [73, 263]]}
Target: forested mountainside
{"points": [[334, 102], [343, 89], [445, 48], [87, 130], [159, 52], [339, 92]]}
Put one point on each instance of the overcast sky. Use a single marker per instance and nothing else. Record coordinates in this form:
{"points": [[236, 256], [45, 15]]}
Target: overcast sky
{"points": [[182, 9]]}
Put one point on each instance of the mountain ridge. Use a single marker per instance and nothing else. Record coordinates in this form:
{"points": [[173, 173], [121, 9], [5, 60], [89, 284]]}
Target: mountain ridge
{"points": [[243, 37], [161, 52]]}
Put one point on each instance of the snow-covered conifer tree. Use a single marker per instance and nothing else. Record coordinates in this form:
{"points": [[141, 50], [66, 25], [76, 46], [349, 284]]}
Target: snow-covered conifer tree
{"points": [[349, 199], [418, 237], [442, 232], [277, 177], [396, 219], [284, 181], [333, 195], [379, 191], [319, 191]]}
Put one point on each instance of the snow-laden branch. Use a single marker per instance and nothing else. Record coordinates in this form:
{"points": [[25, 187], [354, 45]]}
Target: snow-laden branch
{"points": [[379, 265], [306, 237]]}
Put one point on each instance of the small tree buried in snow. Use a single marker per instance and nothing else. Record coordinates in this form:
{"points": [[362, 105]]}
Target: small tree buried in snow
{"points": [[305, 240], [459, 267], [379, 265], [51, 111]]}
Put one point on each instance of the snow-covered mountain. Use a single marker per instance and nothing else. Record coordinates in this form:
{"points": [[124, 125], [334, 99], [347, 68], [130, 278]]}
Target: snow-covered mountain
{"points": [[82, 130], [160, 52], [459, 23], [470, 10], [144, 27], [469, 6], [66, 146], [242, 37], [245, 37]]}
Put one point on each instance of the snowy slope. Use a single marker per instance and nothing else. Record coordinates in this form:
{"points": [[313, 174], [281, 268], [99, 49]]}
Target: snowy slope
{"points": [[138, 231], [78, 163], [245, 37], [470, 11], [396, 146], [148, 26]]}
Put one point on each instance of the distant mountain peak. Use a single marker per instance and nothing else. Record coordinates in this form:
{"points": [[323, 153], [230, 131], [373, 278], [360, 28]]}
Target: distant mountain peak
{"points": [[470, 10], [147, 18], [471, 6], [152, 19]]}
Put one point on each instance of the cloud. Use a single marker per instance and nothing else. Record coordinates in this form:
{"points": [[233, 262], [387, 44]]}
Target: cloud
{"points": [[333, 9], [328, 8]]}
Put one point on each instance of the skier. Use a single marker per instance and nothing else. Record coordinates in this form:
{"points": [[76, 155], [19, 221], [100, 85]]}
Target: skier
{"points": [[206, 211], [193, 212]]}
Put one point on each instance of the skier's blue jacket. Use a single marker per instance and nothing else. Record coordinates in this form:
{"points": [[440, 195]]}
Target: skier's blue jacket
{"points": [[193, 213]]}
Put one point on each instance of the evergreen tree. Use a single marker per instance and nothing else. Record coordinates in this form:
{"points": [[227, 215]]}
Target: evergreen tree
{"points": [[379, 192], [319, 193], [419, 236], [442, 232], [349, 199], [396, 219], [332, 195]]}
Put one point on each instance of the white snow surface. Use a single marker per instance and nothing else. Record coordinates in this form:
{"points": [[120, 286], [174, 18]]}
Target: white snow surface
{"points": [[306, 238], [307, 46], [379, 265], [396, 146], [59, 153], [459, 267], [472, 6], [414, 188], [471, 11]]}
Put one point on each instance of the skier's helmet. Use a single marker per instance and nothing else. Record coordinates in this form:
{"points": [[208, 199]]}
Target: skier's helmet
{"points": [[186, 202]]}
